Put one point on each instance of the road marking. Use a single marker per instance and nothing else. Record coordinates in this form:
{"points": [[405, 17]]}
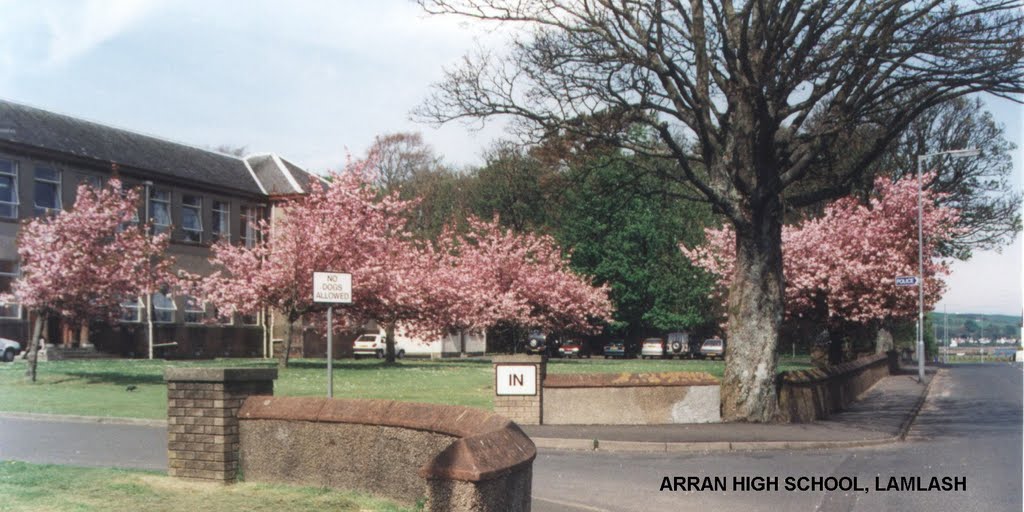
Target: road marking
{"points": [[571, 504]]}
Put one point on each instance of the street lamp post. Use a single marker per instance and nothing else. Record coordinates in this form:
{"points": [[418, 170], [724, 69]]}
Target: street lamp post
{"points": [[955, 153]]}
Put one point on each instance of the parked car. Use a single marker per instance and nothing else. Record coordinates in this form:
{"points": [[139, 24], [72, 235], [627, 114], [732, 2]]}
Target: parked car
{"points": [[572, 348], [713, 348], [373, 344], [653, 347], [679, 344], [537, 343], [9, 349], [620, 348]]}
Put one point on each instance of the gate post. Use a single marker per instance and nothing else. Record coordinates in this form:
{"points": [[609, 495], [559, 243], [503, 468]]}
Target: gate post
{"points": [[202, 418], [519, 387]]}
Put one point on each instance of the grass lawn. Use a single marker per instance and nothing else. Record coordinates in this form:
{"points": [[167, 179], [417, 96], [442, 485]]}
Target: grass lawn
{"points": [[97, 388], [31, 487]]}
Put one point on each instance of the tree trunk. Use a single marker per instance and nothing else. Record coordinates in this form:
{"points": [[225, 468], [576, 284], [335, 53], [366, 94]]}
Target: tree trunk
{"points": [[287, 349], [389, 343], [462, 343], [755, 318], [33, 351]]}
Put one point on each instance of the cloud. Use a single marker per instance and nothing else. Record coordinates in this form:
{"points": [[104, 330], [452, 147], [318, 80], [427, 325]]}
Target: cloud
{"points": [[75, 29]]}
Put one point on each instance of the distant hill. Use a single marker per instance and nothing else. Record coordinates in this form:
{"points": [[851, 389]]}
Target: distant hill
{"points": [[977, 325]]}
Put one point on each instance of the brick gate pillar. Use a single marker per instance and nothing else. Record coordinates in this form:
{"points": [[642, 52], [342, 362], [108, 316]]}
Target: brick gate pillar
{"points": [[202, 418], [518, 387]]}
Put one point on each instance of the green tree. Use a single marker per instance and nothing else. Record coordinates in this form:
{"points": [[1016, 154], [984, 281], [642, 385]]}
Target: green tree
{"points": [[625, 230], [971, 326], [518, 187]]}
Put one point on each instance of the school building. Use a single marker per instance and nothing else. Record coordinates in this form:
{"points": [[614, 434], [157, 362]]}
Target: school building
{"points": [[198, 195]]}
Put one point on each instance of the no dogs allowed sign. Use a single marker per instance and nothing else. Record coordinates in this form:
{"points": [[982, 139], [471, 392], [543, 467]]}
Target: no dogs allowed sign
{"points": [[332, 288]]}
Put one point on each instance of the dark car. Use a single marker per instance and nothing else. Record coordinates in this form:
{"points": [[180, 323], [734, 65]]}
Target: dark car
{"points": [[537, 343], [679, 344], [619, 348]]}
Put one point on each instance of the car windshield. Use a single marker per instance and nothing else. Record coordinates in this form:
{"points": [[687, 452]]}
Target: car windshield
{"points": [[367, 337], [652, 340], [713, 343]]}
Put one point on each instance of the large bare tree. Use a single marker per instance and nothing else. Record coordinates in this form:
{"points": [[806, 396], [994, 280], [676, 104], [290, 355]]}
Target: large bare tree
{"points": [[398, 157], [744, 98]]}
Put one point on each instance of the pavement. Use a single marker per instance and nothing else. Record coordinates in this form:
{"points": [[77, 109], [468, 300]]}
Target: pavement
{"points": [[881, 415]]}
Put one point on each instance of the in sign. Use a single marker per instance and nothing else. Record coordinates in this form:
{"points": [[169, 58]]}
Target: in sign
{"points": [[515, 380], [332, 287], [906, 281]]}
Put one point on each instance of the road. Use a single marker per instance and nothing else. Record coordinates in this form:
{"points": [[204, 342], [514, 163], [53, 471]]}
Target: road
{"points": [[83, 444], [970, 426]]}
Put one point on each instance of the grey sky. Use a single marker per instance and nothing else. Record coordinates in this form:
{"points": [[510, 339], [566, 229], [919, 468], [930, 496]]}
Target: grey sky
{"points": [[310, 80]]}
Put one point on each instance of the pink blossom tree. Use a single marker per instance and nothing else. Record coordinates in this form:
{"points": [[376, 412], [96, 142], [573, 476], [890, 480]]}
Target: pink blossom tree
{"points": [[840, 268], [343, 226], [80, 264], [496, 275]]}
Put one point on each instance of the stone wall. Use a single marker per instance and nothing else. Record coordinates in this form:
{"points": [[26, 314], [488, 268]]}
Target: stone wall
{"points": [[631, 399], [202, 418], [810, 395], [457, 458]]}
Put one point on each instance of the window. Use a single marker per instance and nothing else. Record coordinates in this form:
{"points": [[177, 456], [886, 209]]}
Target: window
{"points": [[131, 310], [221, 221], [93, 181], [253, 319], [160, 210], [248, 229], [8, 189], [163, 308], [135, 215], [47, 190], [221, 319], [195, 311], [192, 218], [8, 273]]}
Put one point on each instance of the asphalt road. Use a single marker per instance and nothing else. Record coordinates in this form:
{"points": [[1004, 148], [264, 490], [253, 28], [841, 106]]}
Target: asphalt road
{"points": [[969, 427], [83, 444]]}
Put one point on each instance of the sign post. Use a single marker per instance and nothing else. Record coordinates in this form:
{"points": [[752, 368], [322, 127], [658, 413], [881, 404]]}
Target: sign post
{"points": [[331, 288]]}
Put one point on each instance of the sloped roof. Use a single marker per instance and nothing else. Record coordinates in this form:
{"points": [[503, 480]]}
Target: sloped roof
{"points": [[279, 176], [31, 126]]}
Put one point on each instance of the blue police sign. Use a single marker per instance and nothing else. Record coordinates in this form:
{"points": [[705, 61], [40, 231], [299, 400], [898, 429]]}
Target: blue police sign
{"points": [[906, 281]]}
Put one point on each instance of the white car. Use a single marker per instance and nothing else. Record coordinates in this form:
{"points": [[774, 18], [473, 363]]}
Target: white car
{"points": [[653, 348], [8, 349], [373, 344]]}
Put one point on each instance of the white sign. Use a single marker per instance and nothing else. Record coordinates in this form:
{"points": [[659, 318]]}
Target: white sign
{"points": [[515, 380], [332, 287], [906, 281]]}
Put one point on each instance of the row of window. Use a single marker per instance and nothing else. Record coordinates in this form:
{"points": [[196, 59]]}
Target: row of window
{"points": [[47, 198], [46, 190], [192, 218], [163, 308]]}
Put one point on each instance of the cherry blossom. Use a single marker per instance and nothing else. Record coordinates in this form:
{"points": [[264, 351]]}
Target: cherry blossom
{"points": [[81, 264], [842, 265]]}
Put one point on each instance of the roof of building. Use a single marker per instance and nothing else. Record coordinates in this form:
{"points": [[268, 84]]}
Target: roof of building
{"points": [[279, 176], [39, 128]]}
